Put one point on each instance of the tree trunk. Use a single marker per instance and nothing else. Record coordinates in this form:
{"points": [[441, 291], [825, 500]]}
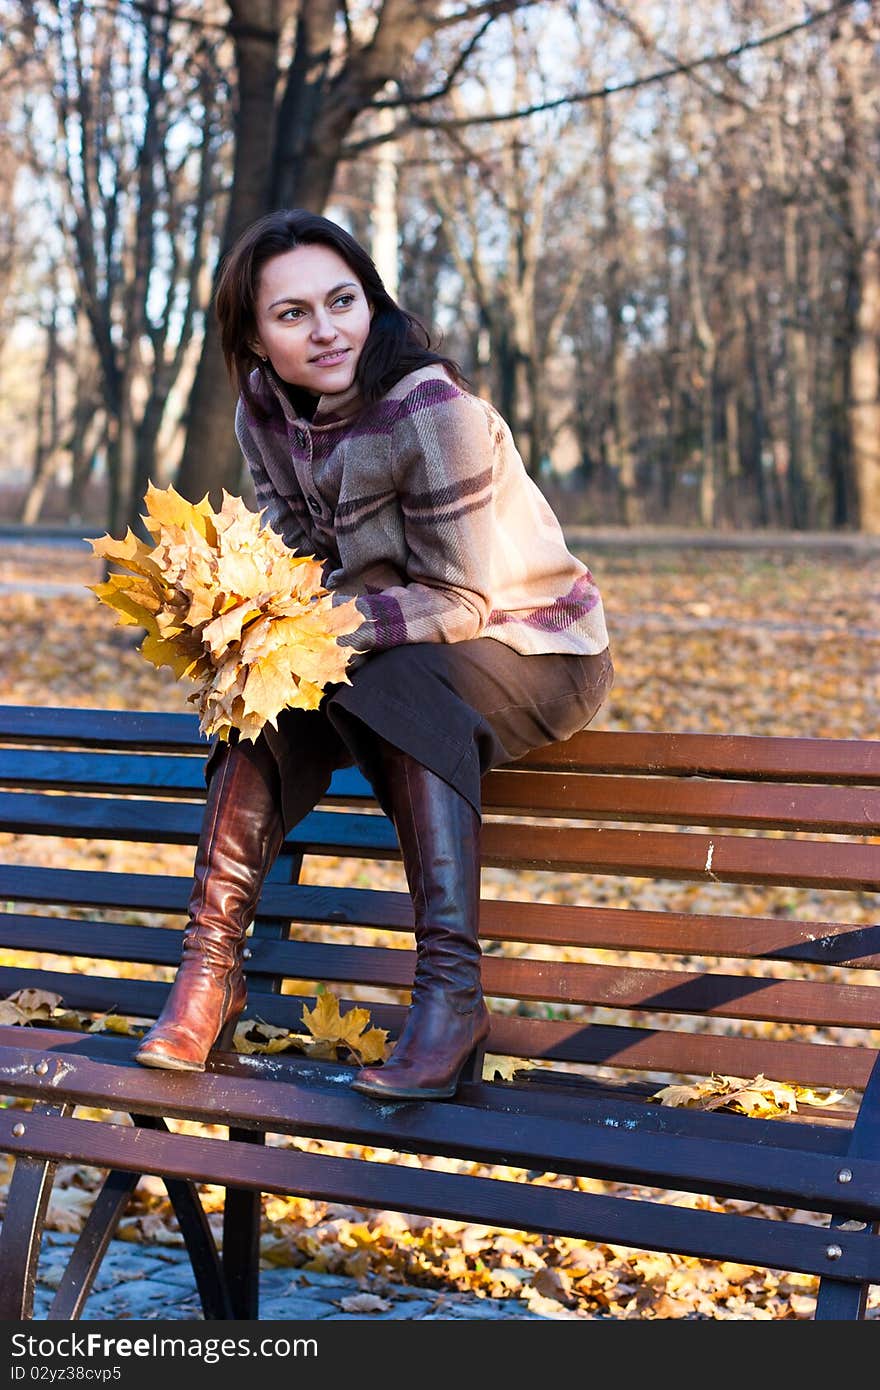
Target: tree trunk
{"points": [[386, 229], [864, 410], [47, 430], [855, 67], [706, 356], [619, 442], [211, 457]]}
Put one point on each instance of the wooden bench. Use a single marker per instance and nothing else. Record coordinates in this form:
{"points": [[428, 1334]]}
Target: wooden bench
{"points": [[698, 809]]}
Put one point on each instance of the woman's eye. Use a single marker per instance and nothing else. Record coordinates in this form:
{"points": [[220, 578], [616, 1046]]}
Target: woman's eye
{"points": [[289, 311], [344, 300]]}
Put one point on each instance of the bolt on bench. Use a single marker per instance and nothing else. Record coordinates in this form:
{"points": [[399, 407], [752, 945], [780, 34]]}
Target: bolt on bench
{"points": [[733, 809]]}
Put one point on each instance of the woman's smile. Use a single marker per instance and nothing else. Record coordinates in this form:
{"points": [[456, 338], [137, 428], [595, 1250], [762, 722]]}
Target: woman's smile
{"points": [[332, 358]]}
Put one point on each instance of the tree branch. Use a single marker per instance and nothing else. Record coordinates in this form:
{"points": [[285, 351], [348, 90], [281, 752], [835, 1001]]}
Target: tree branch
{"points": [[594, 94]]}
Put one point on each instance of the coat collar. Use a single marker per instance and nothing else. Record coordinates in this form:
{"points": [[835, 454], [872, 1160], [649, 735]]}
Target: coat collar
{"points": [[330, 410]]}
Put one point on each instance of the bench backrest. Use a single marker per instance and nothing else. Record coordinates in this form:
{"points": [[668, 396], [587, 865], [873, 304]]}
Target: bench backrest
{"points": [[598, 820]]}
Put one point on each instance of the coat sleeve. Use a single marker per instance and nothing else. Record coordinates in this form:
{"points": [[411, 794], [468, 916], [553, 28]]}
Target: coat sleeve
{"points": [[277, 512], [443, 459]]}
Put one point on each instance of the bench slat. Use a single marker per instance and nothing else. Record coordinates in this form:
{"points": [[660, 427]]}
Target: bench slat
{"points": [[136, 774], [853, 761], [549, 924], [643, 853], [151, 730], [498, 1202], [574, 1040], [700, 857], [796, 941], [611, 986], [831, 810], [179, 823]]}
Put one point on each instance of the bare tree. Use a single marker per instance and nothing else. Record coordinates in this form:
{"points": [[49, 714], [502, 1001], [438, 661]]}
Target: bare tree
{"points": [[856, 68], [330, 72], [134, 207]]}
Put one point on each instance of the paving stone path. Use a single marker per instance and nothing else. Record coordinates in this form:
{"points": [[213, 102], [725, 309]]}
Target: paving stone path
{"points": [[139, 1281]]}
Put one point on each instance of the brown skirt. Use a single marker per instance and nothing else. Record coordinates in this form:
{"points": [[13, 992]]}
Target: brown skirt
{"points": [[459, 708]]}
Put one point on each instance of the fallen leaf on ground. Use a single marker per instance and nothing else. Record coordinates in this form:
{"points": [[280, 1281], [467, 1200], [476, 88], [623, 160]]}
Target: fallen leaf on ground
{"points": [[364, 1303]]}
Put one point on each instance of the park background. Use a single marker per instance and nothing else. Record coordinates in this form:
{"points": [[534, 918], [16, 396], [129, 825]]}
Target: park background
{"points": [[649, 233]]}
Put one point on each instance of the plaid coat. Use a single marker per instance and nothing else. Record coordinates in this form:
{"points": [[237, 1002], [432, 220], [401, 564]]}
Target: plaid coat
{"points": [[421, 508]]}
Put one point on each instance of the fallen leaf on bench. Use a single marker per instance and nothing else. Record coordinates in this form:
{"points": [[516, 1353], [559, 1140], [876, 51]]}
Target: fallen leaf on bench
{"points": [[758, 1096], [328, 1026], [226, 604], [28, 1006], [504, 1067], [116, 1023], [40, 1006], [254, 1036], [364, 1303], [74, 1019]]}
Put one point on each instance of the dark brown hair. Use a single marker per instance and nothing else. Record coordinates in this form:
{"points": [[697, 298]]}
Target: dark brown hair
{"points": [[397, 342]]}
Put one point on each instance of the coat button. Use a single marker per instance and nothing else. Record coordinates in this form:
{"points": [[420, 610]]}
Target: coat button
{"points": [[301, 437], [314, 506]]}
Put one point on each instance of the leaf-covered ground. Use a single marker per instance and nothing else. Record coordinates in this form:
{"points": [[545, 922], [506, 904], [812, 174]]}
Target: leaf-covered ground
{"points": [[703, 640]]}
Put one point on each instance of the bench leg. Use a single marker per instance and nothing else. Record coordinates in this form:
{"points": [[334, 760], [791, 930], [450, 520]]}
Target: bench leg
{"points": [[197, 1237], [837, 1299], [241, 1240], [91, 1247], [22, 1232]]}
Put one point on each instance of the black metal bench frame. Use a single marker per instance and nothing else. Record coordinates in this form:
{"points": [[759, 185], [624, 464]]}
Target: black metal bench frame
{"points": [[100, 774]]}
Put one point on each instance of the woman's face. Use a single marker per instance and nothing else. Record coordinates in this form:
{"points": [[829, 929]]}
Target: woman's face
{"points": [[313, 318]]}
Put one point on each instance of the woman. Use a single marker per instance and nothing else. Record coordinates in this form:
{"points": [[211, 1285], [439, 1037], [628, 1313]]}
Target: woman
{"points": [[482, 637]]}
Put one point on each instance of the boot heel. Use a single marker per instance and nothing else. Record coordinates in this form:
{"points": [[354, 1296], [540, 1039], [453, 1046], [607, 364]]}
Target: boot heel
{"points": [[226, 1037], [472, 1068]]}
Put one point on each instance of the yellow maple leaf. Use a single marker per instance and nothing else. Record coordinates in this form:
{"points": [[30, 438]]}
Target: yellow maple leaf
{"points": [[222, 631], [504, 1067], [329, 1028], [127, 593], [807, 1096], [684, 1095], [77, 1020], [166, 507], [131, 553], [161, 651], [370, 1046], [116, 1023], [267, 687]]}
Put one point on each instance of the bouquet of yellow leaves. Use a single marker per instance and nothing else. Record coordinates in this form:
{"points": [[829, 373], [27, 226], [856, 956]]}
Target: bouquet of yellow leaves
{"points": [[228, 605]]}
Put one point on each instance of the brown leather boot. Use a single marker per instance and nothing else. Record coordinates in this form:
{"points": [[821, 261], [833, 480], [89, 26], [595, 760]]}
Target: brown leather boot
{"points": [[242, 832], [443, 1039]]}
